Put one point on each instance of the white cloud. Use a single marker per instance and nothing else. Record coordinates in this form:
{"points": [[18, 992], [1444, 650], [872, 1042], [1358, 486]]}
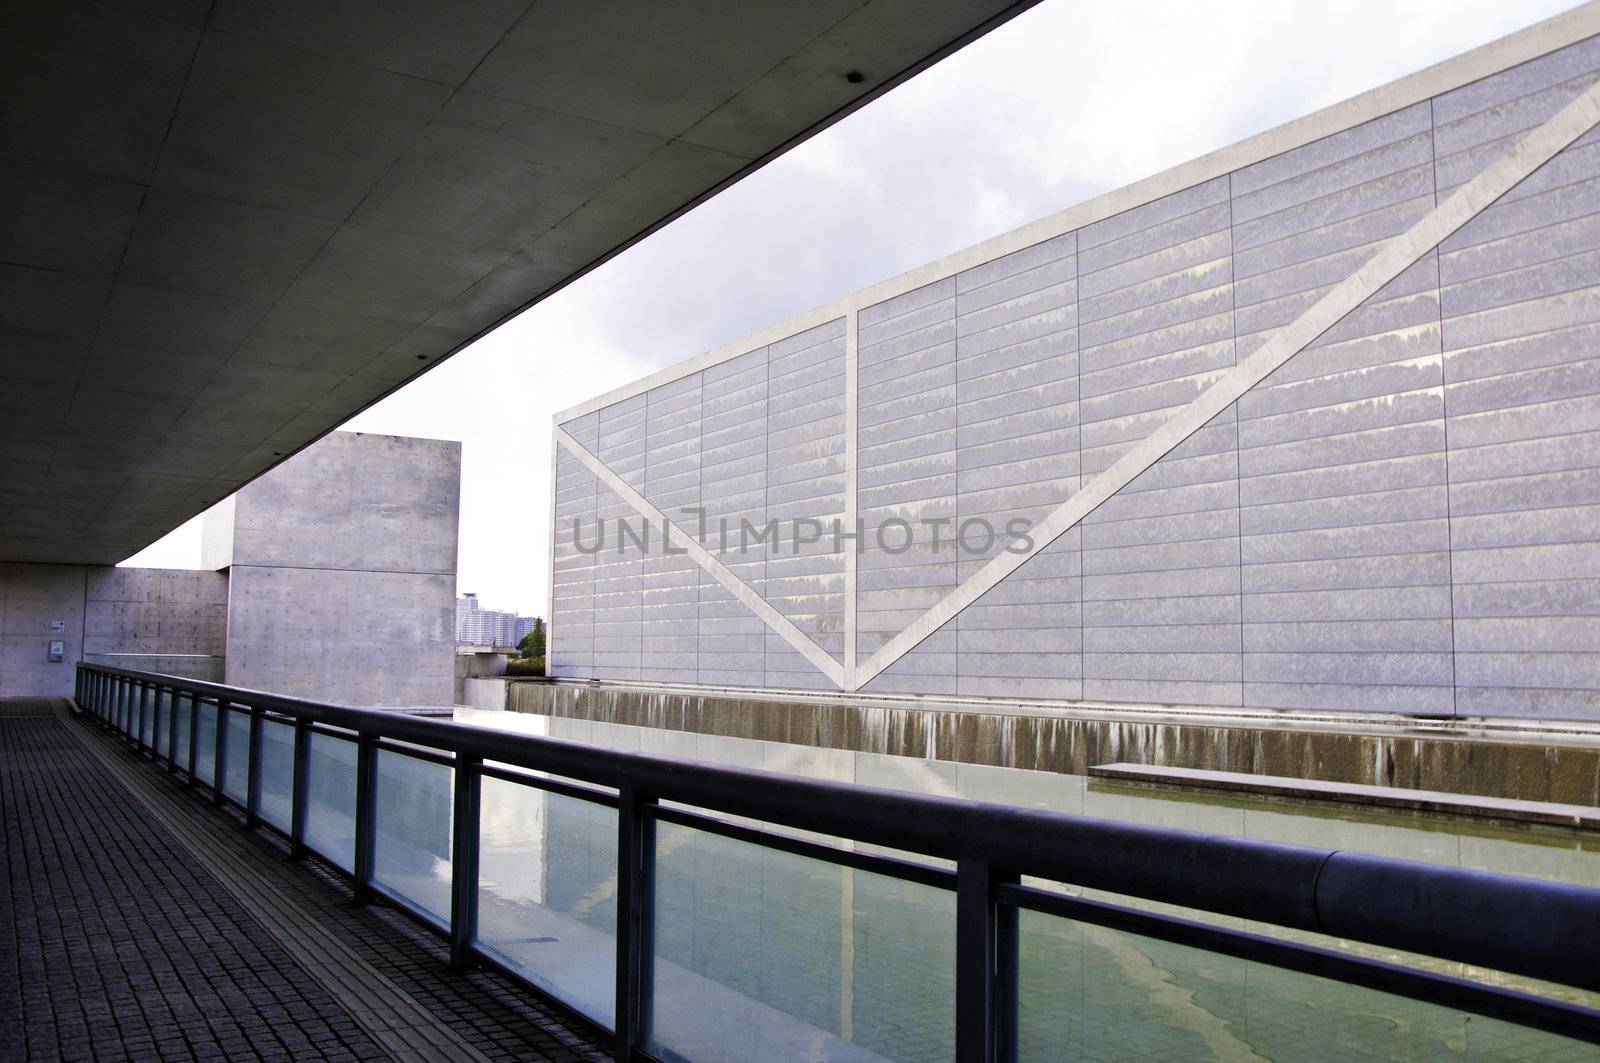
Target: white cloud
{"points": [[1071, 99]]}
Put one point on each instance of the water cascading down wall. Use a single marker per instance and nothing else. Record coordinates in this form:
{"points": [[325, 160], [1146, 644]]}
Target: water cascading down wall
{"points": [[1309, 423]]}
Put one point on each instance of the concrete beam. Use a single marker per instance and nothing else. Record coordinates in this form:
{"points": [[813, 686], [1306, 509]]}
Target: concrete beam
{"points": [[238, 224]]}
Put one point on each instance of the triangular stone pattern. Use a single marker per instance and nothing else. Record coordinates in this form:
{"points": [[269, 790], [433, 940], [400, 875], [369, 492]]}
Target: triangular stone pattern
{"points": [[1345, 529]]}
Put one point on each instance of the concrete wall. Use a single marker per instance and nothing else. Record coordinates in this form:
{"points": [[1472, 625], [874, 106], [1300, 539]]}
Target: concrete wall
{"points": [[470, 666], [342, 586], [164, 613], [155, 611], [32, 596], [484, 692], [1400, 518]]}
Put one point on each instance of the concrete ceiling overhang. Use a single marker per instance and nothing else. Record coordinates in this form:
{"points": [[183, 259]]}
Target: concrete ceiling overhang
{"points": [[230, 225]]}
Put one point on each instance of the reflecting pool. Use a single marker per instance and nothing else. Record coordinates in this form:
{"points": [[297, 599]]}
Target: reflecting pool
{"points": [[759, 954]]}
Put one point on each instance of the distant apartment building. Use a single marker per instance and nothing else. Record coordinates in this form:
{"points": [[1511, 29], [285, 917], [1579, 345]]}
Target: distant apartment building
{"points": [[476, 626]]}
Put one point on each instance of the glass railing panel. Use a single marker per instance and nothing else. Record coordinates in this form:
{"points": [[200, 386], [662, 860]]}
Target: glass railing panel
{"points": [[205, 754], [236, 772], [411, 854], [547, 892], [185, 710], [277, 773], [147, 715], [1090, 992], [331, 804], [161, 722], [761, 954]]}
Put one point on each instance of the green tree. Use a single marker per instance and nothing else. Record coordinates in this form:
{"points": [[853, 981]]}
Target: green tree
{"points": [[532, 644]]}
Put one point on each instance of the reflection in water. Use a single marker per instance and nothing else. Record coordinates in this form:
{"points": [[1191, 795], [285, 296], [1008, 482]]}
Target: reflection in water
{"points": [[1563, 856], [766, 955]]}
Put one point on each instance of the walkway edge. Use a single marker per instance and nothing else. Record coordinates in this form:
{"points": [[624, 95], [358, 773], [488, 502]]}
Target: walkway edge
{"points": [[389, 1015]]}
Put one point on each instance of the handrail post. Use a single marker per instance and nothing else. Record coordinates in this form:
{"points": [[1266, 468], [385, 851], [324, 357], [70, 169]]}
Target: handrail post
{"points": [[300, 801], [172, 730], [976, 953], [219, 765], [194, 738], [635, 912], [1007, 998], [366, 809], [252, 789], [464, 859]]}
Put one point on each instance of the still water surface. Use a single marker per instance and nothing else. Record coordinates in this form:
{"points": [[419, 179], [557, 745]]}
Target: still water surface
{"points": [[766, 955]]}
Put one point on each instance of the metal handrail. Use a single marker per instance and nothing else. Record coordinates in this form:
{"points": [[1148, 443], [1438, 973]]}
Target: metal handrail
{"points": [[1531, 927]]}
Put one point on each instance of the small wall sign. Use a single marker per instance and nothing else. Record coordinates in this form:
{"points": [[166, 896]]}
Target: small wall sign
{"points": [[57, 626], [57, 651]]}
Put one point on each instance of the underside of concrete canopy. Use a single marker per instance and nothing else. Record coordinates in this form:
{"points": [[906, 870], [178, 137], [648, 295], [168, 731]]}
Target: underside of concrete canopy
{"points": [[230, 225]]}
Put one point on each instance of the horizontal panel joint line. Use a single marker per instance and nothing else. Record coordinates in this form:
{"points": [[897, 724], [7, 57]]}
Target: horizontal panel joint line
{"points": [[1399, 254], [779, 624]]}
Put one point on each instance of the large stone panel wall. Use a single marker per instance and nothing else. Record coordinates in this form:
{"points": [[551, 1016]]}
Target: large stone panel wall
{"points": [[1399, 518], [342, 585], [167, 612]]}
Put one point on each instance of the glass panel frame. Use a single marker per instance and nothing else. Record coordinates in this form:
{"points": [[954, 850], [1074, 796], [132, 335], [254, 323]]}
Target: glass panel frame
{"points": [[276, 801], [205, 764], [331, 799], [147, 713], [183, 705], [160, 723], [547, 902], [413, 830], [835, 962], [236, 769]]}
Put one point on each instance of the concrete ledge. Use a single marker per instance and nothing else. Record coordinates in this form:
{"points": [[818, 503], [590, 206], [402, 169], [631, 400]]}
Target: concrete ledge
{"points": [[1514, 729], [1545, 813], [1557, 764]]}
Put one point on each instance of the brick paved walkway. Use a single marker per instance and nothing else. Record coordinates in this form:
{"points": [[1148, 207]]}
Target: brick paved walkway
{"points": [[137, 922]]}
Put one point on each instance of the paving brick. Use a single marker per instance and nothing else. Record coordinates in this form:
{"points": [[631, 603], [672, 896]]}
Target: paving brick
{"points": [[118, 942]]}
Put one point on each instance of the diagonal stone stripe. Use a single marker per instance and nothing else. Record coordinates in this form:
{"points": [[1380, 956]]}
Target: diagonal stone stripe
{"points": [[776, 621], [1533, 151]]}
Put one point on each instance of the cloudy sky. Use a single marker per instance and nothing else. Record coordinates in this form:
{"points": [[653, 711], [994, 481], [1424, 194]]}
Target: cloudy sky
{"points": [[1073, 98]]}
